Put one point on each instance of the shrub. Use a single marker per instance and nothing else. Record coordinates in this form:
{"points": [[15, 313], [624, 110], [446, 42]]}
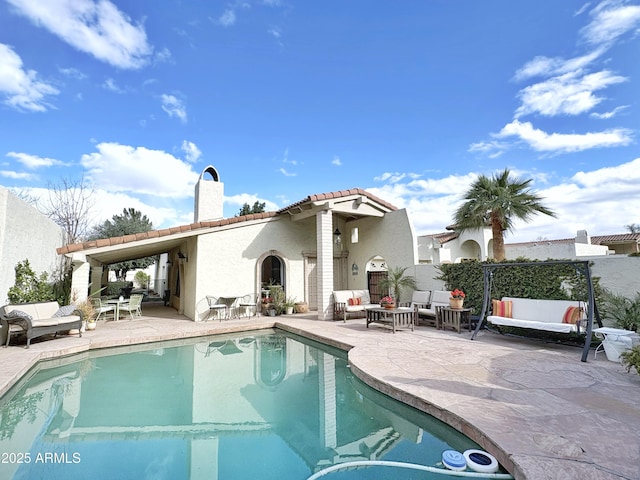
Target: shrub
{"points": [[30, 287], [631, 358], [625, 312]]}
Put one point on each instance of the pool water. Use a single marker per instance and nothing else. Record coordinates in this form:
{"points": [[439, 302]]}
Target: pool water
{"points": [[263, 405]]}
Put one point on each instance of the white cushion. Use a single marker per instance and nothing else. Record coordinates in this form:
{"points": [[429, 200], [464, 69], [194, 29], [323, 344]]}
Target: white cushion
{"points": [[547, 326], [421, 296], [537, 310], [364, 295], [441, 297], [342, 296]]}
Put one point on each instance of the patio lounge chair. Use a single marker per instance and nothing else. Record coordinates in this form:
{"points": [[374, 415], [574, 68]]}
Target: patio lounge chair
{"points": [[133, 306]]}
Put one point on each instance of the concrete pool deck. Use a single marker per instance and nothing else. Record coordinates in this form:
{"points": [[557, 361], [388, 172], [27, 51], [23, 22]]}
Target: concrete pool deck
{"points": [[542, 412]]}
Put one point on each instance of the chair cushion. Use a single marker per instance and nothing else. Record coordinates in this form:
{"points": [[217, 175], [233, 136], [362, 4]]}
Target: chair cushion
{"points": [[64, 311]]}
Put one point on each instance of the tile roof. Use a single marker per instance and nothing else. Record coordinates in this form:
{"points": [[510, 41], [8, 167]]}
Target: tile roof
{"points": [[105, 242], [622, 237], [339, 194]]}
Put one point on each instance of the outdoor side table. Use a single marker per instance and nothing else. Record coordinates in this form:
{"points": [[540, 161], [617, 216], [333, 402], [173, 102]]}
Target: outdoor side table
{"points": [[454, 318]]}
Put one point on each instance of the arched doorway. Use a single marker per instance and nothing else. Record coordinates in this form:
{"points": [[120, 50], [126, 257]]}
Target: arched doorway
{"points": [[272, 271]]}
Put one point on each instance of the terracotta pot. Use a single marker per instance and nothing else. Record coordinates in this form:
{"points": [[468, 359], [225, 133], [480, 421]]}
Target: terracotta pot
{"points": [[456, 302], [302, 307], [389, 305]]}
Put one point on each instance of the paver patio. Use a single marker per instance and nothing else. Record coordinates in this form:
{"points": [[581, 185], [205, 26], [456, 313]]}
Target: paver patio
{"points": [[536, 407]]}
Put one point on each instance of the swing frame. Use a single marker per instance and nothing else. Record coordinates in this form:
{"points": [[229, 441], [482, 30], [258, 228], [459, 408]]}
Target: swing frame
{"points": [[581, 266]]}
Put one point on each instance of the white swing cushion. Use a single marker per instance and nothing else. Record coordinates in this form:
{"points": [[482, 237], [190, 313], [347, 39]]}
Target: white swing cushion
{"points": [[538, 314]]}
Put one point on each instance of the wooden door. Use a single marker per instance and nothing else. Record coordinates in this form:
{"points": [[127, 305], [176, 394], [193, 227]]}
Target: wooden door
{"points": [[375, 292]]}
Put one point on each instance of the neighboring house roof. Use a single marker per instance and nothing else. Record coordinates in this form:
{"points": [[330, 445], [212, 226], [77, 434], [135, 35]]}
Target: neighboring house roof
{"points": [[541, 242], [619, 238], [444, 237], [352, 203], [595, 240]]}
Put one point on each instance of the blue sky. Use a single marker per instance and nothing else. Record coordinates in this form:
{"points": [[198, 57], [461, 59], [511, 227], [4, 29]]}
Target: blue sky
{"points": [[410, 100]]}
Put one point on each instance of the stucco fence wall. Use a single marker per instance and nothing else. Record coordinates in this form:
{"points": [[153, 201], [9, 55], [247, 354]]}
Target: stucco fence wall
{"points": [[25, 234]]}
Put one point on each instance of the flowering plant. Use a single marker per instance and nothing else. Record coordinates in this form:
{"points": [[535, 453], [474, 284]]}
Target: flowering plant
{"points": [[457, 293], [267, 300], [387, 300]]}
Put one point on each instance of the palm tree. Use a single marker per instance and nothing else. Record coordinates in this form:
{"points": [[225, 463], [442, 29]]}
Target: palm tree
{"points": [[498, 201], [396, 280]]}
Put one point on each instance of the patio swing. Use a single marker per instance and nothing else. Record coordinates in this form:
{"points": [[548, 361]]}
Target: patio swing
{"points": [[581, 267]]}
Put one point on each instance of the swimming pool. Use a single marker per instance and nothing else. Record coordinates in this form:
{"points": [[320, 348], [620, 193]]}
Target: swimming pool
{"points": [[263, 405]]}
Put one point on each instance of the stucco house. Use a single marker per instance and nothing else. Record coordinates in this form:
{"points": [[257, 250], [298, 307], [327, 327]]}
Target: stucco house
{"points": [[452, 246], [325, 242]]}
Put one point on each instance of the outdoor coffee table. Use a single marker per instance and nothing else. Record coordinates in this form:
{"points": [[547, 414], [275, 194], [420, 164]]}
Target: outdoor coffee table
{"points": [[396, 317]]}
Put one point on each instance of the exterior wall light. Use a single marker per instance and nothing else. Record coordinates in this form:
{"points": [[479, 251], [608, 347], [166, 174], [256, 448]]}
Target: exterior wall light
{"points": [[337, 237]]}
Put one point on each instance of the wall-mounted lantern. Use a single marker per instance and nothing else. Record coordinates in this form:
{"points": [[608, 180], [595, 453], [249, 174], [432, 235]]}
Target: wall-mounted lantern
{"points": [[337, 237]]}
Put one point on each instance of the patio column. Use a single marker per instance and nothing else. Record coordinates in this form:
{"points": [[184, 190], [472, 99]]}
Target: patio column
{"points": [[96, 279], [324, 242], [79, 279]]}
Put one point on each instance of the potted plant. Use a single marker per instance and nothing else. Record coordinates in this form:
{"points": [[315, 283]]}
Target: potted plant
{"points": [[387, 302], [457, 298], [396, 280], [288, 305]]}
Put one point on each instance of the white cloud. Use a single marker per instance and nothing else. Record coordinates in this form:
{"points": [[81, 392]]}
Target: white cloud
{"points": [[33, 161], [286, 173], [110, 84], [542, 66], [610, 114], [568, 94], [336, 161], [228, 18], [493, 148], [17, 175], [191, 152], [72, 73], [589, 200], [94, 27], [610, 20], [122, 168], [21, 88], [567, 142], [174, 107]]}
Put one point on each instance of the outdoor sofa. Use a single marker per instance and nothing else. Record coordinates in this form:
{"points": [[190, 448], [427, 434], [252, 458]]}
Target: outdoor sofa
{"points": [[37, 319]]}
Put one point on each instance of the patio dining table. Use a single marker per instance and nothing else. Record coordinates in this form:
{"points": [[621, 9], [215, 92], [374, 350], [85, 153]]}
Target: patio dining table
{"points": [[228, 302], [117, 302]]}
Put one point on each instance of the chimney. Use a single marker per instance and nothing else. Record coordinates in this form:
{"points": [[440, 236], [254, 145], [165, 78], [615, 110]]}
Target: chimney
{"points": [[583, 237]]}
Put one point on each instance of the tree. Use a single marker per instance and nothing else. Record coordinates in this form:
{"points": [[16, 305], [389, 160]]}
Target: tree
{"points": [[633, 228], [258, 207], [131, 221], [396, 280], [498, 201], [69, 205]]}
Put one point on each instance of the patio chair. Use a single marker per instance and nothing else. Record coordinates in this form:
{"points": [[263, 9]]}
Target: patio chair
{"points": [[133, 306], [215, 308], [249, 304], [102, 309]]}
